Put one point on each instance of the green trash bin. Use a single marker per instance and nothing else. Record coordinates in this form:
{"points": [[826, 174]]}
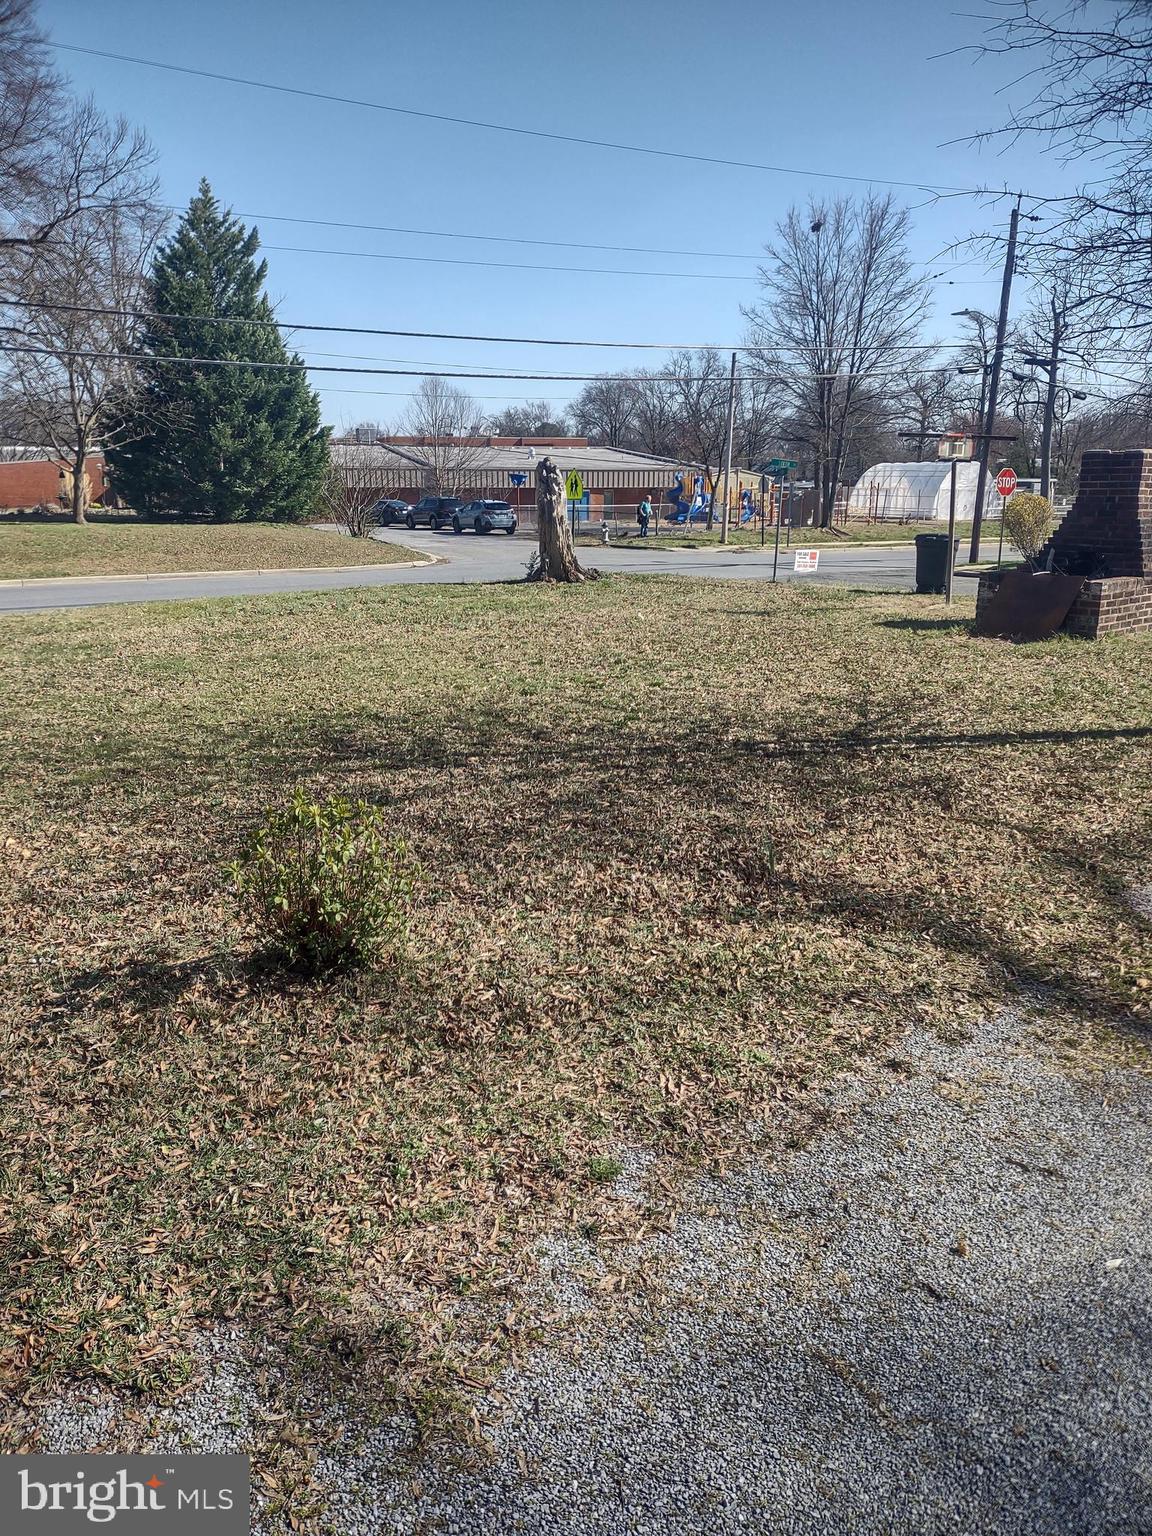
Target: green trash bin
{"points": [[932, 561]]}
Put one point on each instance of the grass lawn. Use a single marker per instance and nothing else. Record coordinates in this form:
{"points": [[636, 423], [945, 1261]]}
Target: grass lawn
{"points": [[33, 550], [808, 538], [691, 847]]}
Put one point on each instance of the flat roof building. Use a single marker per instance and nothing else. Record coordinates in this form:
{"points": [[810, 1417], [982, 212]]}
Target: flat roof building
{"points": [[615, 480]]}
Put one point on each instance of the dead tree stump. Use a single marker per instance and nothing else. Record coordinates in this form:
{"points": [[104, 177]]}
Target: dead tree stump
{"points": [[556, 556]]}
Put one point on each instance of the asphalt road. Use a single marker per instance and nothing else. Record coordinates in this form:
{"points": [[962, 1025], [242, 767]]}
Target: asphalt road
{"points": [[464, 558]]}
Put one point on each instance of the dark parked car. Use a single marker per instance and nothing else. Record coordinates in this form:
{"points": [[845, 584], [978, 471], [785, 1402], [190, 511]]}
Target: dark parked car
{"points": [[483, 516], [387, 512], [435, 511]]}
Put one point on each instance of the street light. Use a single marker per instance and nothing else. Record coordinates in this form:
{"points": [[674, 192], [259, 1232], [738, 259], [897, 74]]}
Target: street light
{"points": [[1049, 365]]}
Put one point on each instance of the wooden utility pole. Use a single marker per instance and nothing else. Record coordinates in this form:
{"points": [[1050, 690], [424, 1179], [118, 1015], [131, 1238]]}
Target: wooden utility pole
{"points": [[988, 425]]}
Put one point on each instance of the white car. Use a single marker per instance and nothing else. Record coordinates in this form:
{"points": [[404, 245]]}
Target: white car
{"points": [[483, 516]]}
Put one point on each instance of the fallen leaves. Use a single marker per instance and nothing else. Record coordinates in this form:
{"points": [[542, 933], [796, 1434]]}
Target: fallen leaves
{"points": [[657, 916]]}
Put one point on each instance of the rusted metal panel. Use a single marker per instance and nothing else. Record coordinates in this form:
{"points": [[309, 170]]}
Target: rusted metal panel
{"points": [[1028, 605]]}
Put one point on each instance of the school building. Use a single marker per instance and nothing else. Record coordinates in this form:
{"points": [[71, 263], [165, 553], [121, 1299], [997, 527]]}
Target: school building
{"points": [[33, 477], [615, 480]]}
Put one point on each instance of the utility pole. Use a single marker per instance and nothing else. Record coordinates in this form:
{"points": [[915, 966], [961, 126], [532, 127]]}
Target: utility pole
{"points": [[728, 448], [951, 562], [1050, 404], [988, 425]]}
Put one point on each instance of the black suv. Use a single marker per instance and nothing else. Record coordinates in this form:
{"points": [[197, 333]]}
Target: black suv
{"points": [[435, 511], [387, 512]]}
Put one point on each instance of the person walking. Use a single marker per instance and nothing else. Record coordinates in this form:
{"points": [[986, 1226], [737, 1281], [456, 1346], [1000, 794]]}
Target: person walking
{"points": [[643, 514]]}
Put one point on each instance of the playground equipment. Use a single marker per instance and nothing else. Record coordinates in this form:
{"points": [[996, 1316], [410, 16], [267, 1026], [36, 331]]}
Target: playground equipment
{"points": [[694, 511]]}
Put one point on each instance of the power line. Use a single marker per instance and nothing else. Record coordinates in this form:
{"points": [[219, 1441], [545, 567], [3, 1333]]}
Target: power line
{"points": [[513, 266], [407, 373], [457, 234], [367, 330], [535, 266], [407, 394], [414, 362], [535, 133], [926, 348]]}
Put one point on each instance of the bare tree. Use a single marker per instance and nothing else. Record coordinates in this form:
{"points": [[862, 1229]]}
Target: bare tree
{"points": [[356, 479], [842, 302], [555, 556], [1087, 63], [930, 399], [451, 429], [605, 411], [653, 425], [58, 158], [699, 385], [757, 421], [31, 97], [535, 418], [75, 332]]}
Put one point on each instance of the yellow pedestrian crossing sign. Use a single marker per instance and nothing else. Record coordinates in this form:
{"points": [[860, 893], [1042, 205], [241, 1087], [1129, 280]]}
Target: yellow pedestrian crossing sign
{"points": [[574, 485]]}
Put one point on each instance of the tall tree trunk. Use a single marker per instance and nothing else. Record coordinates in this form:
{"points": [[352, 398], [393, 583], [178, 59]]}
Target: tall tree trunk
{"points": [[79, 498], [556, 558]]}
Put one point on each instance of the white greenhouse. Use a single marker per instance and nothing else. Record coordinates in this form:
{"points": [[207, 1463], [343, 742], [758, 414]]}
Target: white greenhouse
{"points": [[918, 492]]}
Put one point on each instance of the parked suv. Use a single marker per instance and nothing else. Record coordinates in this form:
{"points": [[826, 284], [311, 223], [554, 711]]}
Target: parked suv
{"points": [[387, 512], [435, 511], [483, 516]]}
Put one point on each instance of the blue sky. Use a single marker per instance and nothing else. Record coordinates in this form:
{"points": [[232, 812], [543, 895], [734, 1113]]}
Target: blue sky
{"points": [[849, 87]]}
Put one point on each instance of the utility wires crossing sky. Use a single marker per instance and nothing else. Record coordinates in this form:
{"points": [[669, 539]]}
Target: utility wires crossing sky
{"points": [[540, 133]]}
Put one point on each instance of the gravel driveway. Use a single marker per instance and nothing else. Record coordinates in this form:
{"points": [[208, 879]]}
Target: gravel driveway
{"points": [[932, 1318]]}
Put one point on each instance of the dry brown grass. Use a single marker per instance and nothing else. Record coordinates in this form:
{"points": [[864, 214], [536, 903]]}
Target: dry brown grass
{"points": [[693, 848], [33, 551]]}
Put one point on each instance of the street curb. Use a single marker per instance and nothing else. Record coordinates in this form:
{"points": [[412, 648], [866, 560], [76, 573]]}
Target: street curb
{"points": [[258, 570]]}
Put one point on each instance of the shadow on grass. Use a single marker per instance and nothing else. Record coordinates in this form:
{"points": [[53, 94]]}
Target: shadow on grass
{"points": [[538, 790], [154, 980], [928, 625]]}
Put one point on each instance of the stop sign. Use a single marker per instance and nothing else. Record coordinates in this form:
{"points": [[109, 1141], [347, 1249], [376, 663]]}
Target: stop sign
{"points": [[1006, 482]]}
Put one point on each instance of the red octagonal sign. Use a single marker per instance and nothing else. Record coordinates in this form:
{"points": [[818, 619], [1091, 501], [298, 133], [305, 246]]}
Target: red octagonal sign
{"points": [[1006, 482]]}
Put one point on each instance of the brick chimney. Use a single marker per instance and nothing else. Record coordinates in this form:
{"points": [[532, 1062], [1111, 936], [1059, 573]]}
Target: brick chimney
{"points": [[1108, 532], [1106, 538]]}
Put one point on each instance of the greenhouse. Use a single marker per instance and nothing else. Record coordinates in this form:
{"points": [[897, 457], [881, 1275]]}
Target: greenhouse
{"points": [[918, 492]]}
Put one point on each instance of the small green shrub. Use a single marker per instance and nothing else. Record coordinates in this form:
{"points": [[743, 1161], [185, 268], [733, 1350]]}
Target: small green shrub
{"points": [[331, 883], [1028, 522], [603, 1170]]}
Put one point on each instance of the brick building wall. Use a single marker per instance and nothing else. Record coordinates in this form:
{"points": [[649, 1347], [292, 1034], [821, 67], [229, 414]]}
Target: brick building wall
{"points": [[28, 483]]}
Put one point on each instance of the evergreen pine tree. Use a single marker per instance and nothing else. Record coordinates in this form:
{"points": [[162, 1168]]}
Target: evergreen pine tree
{"points": [[227, 444]]}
